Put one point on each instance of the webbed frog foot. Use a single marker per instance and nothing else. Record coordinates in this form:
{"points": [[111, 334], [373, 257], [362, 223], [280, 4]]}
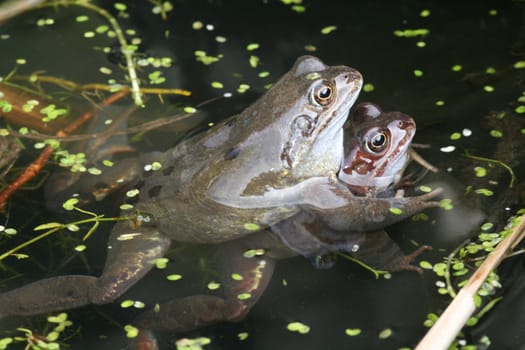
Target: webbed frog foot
{"points": [[404, 263], [381, 252]]}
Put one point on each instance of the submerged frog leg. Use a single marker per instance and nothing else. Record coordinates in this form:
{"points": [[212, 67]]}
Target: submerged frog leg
{"points": [[131, 255], [310, 237], [380, 251], [246, 266]]}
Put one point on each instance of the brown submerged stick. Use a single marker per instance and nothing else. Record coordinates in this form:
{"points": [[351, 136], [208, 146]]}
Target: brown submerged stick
{"points": [[13, 8], [421, 161], [73, 86], [34, 168], [449, 324]]}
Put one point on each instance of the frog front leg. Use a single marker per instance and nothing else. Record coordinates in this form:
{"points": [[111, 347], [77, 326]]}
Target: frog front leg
{"points": [[245, 267], [343, 211], [131, 254]]}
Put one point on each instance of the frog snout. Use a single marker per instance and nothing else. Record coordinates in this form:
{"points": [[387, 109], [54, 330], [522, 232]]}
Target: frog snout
{"points": [[407, 124]]}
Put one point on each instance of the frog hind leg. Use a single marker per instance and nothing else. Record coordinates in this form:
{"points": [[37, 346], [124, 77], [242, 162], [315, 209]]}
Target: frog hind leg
{"points": [[242, 282], [380, 251], [128, 260], [310, 237]]}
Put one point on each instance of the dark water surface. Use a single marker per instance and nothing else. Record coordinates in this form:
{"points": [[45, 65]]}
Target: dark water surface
{"points": [[462, 33]]}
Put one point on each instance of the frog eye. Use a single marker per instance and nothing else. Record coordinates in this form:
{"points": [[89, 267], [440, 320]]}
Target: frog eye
{"points": [[323, 93], [377, 141]]}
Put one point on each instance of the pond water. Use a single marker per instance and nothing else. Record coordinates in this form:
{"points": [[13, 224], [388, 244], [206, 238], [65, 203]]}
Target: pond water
{"points": [[451, 80]]}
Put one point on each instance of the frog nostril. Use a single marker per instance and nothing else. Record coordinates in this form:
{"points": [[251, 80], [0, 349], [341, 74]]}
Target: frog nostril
{"points": [[405, 124]]}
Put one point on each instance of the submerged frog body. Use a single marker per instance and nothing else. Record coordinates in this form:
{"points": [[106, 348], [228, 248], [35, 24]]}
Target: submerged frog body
{"points": [[276, 159]]}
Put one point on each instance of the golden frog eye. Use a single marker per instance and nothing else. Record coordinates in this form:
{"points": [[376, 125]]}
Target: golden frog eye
{"points": [[377, 142], [323, 93]]}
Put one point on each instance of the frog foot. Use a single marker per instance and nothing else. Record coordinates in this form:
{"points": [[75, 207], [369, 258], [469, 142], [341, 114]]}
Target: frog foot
{"points": [[405, 262], [417, 203]]}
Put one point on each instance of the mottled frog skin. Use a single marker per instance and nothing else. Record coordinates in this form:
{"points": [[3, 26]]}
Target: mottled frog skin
{"points": [[278, 158]]}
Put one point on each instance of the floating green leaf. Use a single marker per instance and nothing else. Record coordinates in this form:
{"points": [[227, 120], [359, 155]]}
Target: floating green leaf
{"points": [[236, 277], [484, 191], [252, 46], [480, 171], [410, 33], [440, 269], [298, 327], [425, 265], [424, 13], [80, 248], [217, 85], [328, 29], [352, 332], [174, 277], [385, 333], [70, 204], [251, 226], [519, 64], [455, 136], [126, 304], [487, 226], [5, 106], [244, 296], [214, 285], [161, 263], [131, 331], [446, 204], [120, 6], [254, 61], [425, 189], [520, 109], [496, 133], [396, 211]]}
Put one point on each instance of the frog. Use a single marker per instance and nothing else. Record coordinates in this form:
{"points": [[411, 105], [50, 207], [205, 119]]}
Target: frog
{"points": [[376, 149], [305, 233], [377, 145], [228, 186]]}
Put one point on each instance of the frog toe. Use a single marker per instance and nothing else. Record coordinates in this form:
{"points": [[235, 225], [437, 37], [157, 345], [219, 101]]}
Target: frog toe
{"points": [[405, 263]]}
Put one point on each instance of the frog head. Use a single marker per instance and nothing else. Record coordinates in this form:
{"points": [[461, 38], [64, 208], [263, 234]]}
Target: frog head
{"points": [[376, 148], [312, 131]]}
